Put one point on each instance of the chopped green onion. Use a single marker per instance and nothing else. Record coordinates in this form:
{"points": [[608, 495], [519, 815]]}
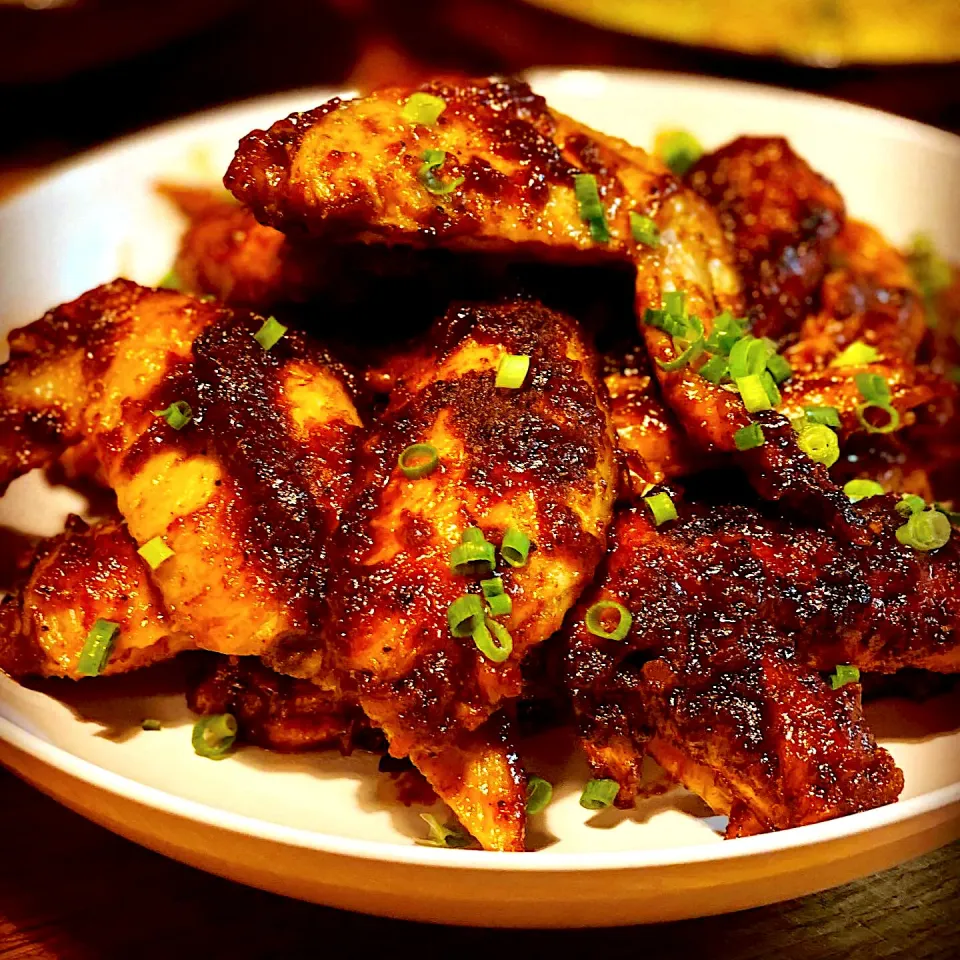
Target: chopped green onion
{"points": [[418, 460], [675, 302], [423, 108], [492, 587], [214, 736], [96, 648], [754, 394], [594, 620], [687, 356], [910, 504], [149, 724], [678, 149], [727, 331], [499, 602], [844, 674], [599, 794], [715, 369], [493, 640], [177, 415], [829, 416], [675, 325], [926, 530], [470, 559], [819, 443], [472, 535], [155, 551], [873, 388], [449, 838], [512, 371], [270, 333], [779, 368], [591, 209], [171, 280], [749, 438], [770, 385], [892, 414], [539, 795], [748, 357], [465, 614], [515, 547], [432, 159], [662, 508], [858, 354], [858, 490], [644, 230]]}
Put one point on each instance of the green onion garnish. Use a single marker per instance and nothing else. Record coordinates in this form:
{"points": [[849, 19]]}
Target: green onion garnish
{"points": [[748, 357], [754, 393], [214, 736], [858, 490], [828, 416], [891, 413], [432, 159], [726, 332], [155, 551], [499, 602], [418, 460], [819, 443], [662, 508], [644, 230], [910, 504], [472, 535], [96, 648], [465, 614], [470, 558], [149, 724], [512, 371], [858, 354], [926, 530], [171, 280], [687, 356], [270, 333], [594, 620], [423, 108], [515, 547], [679, 150], [599, 794], [591, 209], [715, 369], [770, 385], [951, 515], [873, 388], [930, 271], [539, 795], [749, 438], [493, 640], [844, 674], [450, 838], [779, 368], [177, 415]]}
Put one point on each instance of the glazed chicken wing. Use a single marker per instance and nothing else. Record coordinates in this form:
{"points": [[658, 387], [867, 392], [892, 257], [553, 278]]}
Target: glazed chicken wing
{"points": [[536, 459], [733, 614], [245, 493], [83, 575]]}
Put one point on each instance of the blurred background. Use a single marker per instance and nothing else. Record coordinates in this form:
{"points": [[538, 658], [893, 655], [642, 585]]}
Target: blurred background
{"points": [[74, 73]]}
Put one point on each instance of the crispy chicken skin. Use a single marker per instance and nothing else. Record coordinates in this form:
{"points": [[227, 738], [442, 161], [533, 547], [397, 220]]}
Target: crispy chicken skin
{"points": [[539, 458], [780, 216], [85, 574], [280, 713], [733, 615], [246, 494]]}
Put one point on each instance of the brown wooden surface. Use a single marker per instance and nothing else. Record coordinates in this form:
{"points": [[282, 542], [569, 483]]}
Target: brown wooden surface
{"points": [[71, 891]]}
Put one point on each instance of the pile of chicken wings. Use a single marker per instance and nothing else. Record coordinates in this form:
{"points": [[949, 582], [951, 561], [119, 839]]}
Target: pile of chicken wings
{"points": [[458, 401]]}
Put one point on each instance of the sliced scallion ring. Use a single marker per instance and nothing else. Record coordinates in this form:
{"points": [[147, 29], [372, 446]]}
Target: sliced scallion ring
{"points": [[926, 530], [715, 369], [828, 416], [754, 393], [418, 460], [423, 108], [748, 357], [148, 723], [449, 838], [891, 413], [644, 230], [662, 507], [96, 648], [472, 558], [493, 640], [154, 552], [270, 333], [843, 675], [515, 547], [858, 354], [512, 371], [591, 209], [910, 504], [539, 795], [678, 149], [599, 794], [465, 615], [858, 490], [819, 443], [177, 415], [749, 438], [214, 736], [595, 617]]}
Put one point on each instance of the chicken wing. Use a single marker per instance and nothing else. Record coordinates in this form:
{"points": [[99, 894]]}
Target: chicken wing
{"points": [[245, 494], [538, 459], [82, 575], [732, 616]]}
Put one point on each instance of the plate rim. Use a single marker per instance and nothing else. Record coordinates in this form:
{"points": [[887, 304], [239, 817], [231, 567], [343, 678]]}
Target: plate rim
{"points": [[61, 759]]}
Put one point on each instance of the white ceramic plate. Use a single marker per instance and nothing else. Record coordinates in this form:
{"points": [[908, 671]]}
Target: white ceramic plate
{"points": [[320, 827]]}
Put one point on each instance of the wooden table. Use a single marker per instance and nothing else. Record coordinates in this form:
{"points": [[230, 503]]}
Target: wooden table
{"points": [[70, 890]]}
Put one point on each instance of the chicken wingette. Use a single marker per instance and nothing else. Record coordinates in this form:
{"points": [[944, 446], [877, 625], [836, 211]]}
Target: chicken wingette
{"points": [[732, 615], [232, 456], [85, 574], [430, 651]]}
